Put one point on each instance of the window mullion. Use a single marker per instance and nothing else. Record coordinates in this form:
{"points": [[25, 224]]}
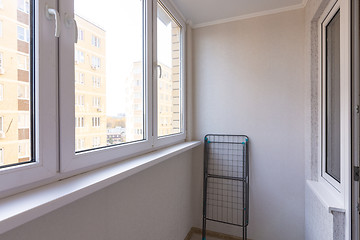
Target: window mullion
{"points": [[153, 66]]}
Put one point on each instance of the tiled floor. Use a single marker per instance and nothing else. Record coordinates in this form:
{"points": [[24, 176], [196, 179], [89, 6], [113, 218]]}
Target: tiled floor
{"points": [[198, 237]]}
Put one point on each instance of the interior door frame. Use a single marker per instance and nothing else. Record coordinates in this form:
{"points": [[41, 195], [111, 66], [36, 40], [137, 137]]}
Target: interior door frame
{"points": [[355, 71]]}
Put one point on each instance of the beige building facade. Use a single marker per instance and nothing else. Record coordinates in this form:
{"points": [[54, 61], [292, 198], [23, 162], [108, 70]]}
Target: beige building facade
{"points": [[90, 86]]}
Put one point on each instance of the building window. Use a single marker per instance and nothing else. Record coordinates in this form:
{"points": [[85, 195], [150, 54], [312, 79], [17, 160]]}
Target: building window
{"points": [[80, 144], [23, 120], [95, 62], [1, 92], [79, 100], [331, 97], [2, 162], [1, 26], [24, 6], [80, 78], [79, 56], [23, 62], [95, 41], [96, 121], [81, 34], [23, 150], [96, 81], [96, 102], [23, 34], [96, 142], [79, 122], [2, 70], [1, 124], [23, 91]]}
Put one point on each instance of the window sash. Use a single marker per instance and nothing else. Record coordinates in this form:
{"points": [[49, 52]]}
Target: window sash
{"points": [[45, 74], [345, 127], [161, 141], [44, 70]]}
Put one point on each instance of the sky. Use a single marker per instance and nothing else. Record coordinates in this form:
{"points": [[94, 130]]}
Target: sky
{"points": [[122, 21]]}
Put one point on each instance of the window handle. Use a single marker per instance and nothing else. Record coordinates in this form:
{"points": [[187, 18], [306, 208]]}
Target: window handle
{"points": [[52, 11], [160, 74], [68, 22]]}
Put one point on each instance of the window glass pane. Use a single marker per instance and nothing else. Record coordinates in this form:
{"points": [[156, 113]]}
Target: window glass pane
{"points": [[333, 97], [15, 83], [109, 86], [169, 73]]}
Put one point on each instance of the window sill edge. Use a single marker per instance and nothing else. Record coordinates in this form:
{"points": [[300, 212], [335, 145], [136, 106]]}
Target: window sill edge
{"points": [[329, 200], [26, 206]]}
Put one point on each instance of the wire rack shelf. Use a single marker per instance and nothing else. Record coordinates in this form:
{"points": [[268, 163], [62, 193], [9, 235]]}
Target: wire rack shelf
{"points": [[226, 181]]}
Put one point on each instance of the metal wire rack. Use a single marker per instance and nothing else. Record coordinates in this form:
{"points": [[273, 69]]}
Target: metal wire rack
{"points": [[226, 181]]}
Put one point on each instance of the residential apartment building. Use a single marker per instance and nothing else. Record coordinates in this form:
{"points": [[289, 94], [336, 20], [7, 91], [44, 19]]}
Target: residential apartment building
{"points": [[14, 82], [175, 81], [90, 86], [166, 104], [134, 107]]}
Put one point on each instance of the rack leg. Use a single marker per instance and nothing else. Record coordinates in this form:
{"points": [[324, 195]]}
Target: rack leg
{"points": [[244, 233], [204, 229]]}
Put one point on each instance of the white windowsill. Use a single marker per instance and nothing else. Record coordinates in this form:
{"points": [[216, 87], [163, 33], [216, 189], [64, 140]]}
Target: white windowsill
{"points": [[330, 201], [24, 207]]}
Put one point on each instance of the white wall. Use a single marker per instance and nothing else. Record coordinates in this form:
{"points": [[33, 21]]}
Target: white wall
{"points": [[153, 205], [249, 79]]}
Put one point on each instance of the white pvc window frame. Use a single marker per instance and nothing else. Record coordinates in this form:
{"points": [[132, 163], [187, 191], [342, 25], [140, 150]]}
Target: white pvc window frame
{"points": [[173, 138], [45, 145], [340, 189], [54, 109], [74, 162], [329, 17]]}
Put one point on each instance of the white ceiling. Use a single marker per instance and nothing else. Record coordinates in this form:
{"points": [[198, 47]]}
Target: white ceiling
{"points": [[207, 12]]}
